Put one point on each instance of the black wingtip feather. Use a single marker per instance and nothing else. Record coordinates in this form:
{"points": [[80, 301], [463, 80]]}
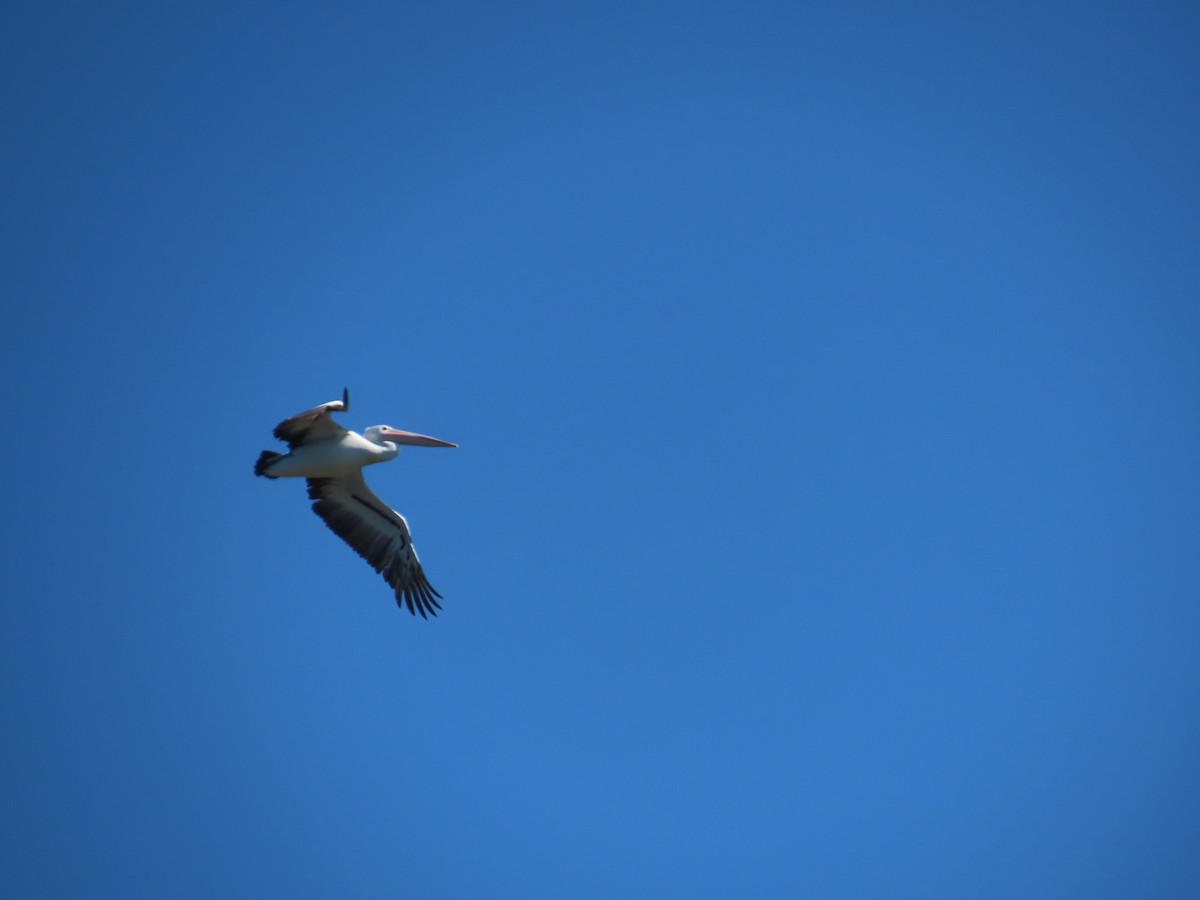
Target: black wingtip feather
{"points": [[419, 599]]}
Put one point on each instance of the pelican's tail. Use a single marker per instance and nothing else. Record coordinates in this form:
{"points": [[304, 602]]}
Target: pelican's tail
{"points": [[265, 461]]}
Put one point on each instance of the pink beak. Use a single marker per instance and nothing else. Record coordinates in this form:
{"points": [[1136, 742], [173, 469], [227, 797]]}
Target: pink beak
{"points": [[417, 440]]}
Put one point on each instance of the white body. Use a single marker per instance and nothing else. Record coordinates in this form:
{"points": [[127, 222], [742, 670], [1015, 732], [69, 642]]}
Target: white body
{"points": [[334, 457]]}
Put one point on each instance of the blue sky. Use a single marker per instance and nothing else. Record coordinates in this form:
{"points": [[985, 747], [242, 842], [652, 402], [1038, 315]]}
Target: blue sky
{"points": [[826, 516]]}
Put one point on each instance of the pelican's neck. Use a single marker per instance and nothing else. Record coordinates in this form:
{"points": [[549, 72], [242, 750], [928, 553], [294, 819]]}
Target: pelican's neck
{"points": [[378, 449], [386, 451]]}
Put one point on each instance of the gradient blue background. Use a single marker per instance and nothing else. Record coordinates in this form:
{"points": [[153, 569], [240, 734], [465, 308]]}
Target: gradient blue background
{"points": [[826, 521]]}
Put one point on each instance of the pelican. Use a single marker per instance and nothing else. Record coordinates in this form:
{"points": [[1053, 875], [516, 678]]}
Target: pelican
{"points": [[332, 459]]}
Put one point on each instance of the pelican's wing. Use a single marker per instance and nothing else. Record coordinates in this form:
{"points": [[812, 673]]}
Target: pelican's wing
{"points": [[378, 534], [315, 424]]}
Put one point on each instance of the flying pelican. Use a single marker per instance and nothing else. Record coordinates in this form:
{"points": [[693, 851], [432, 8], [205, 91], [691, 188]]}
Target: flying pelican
{"points": [[332, 459]]}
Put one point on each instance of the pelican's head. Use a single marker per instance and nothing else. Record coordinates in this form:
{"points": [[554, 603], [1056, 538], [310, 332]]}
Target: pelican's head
{"points": [[382, 434]]}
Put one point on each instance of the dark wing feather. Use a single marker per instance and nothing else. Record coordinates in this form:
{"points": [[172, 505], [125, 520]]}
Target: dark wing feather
{"points": [[378, 534], [315, 424]]}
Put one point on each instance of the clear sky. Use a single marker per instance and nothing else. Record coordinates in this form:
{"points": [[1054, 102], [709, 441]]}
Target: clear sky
{"points": [[826, 521]]}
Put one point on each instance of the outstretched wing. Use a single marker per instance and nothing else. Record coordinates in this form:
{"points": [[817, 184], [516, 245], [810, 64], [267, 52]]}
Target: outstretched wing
{"points": [[315, 424], [378, 534]]}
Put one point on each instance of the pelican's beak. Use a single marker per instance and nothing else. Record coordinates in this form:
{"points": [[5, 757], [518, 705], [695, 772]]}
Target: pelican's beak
{"points": [[417, 440]]}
